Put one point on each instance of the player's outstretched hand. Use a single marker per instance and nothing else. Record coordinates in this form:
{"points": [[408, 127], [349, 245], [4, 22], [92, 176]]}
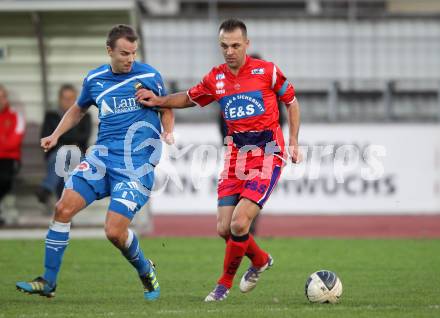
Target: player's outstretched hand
{"points": [[48, 143], [168, 137], [295, 153], [147, 98]]}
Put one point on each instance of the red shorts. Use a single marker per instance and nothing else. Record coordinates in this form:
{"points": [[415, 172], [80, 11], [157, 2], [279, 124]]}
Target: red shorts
{"points": [[252, 175]]}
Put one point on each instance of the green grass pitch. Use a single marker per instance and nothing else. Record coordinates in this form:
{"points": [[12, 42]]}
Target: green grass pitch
{"points": [[381, 278]]}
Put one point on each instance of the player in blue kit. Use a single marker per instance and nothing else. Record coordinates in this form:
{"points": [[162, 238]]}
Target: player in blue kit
{"points": [[121, 164]]}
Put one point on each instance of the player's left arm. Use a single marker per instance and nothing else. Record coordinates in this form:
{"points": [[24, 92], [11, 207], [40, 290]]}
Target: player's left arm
{"points": [[293, 119], [166, 115], [286, 93], [167, 119]]}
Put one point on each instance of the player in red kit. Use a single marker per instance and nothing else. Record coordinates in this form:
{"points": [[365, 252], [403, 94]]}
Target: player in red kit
{"points": [[247, 90]]}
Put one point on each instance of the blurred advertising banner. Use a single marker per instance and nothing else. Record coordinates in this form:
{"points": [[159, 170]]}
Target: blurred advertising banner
{"points": [[347, 169]]}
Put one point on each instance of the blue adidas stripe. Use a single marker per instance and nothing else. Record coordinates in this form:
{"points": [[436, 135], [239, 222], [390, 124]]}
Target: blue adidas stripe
{"points": [[283, 89]]}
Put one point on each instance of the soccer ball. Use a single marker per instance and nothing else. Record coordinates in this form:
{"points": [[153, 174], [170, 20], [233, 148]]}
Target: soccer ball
{"points": [[323, 287]]}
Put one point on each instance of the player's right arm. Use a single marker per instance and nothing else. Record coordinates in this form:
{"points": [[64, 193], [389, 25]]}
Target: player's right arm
{"points": [[70, 119], [200, 94], [177, 100]]}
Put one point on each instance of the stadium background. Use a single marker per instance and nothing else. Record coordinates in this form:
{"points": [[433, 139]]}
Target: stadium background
{"points": [[366, 72]]}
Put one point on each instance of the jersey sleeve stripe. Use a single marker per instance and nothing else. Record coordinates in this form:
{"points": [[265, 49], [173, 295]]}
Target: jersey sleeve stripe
{"points": [[274, 76], [112, 88], [96, 74], [283, 89]]}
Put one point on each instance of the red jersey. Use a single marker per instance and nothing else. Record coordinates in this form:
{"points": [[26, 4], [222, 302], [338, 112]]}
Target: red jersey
{"points": [[11, 134], [249, 99], [249, 104]]}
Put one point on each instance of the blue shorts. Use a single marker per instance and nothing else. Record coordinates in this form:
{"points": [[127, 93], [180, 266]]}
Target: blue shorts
{"points": [[95, 180]]}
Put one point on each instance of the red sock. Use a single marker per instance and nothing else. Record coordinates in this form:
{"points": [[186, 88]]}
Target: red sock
{"points": [[236, 247], [257, 256]]}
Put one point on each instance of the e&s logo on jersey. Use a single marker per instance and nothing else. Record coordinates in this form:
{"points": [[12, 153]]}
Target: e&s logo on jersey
{"points": [[242, 105]]}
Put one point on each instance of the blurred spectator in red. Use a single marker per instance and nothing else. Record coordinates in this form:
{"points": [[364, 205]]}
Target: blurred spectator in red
{"points": [[12, 127]]}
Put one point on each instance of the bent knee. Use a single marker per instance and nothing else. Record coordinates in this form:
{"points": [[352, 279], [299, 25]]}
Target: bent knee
{"points": [[240, 226], [64, 212], [223, 231], [115, 236]]}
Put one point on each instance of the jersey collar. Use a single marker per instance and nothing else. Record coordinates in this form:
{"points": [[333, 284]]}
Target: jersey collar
{"points": [[242, 68]]}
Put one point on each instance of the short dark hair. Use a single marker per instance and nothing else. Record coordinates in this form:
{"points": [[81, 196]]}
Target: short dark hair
{"points": [[233, 24], [66, 87], [121, 31]]}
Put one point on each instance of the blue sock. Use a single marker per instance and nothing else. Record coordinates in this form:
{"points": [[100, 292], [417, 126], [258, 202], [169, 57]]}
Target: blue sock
{"points": [[56, 242], [133, 253]]}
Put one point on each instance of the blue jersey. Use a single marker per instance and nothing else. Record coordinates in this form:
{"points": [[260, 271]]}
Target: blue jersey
{"points": [[126, 128]]}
